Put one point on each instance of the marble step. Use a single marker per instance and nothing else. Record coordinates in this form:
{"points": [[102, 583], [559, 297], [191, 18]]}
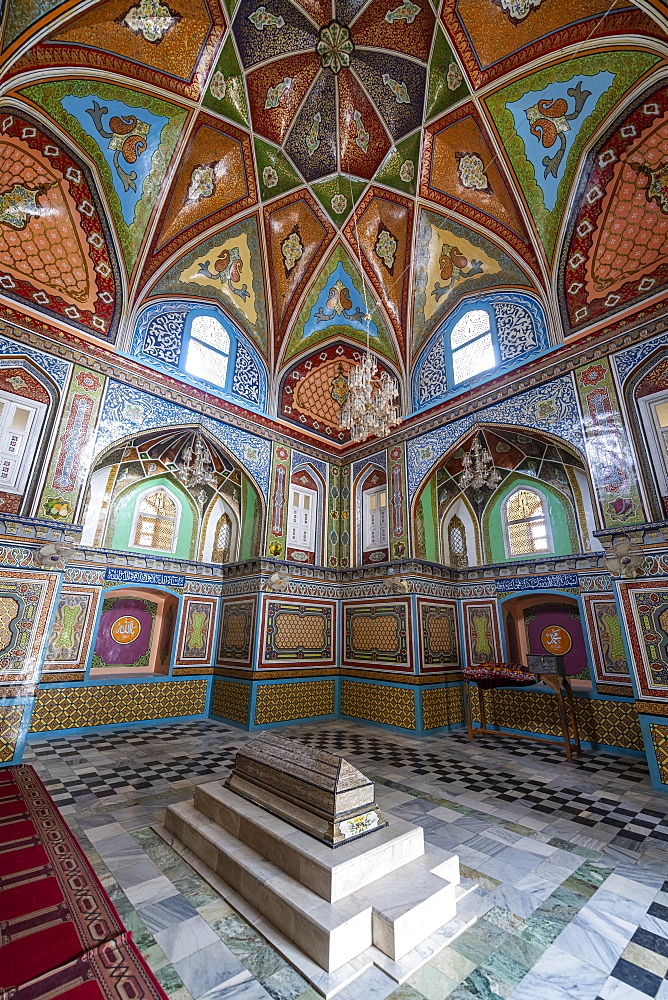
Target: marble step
{"points": [[395, 913], [332, 873], [330, 933]]}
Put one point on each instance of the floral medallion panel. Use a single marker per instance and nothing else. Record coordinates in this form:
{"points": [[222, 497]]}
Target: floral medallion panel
{"points": [[611, 460], [195, 640], [236, 632], [336, 305], [460, 168], [645, 605], [437, 636], [161, 42], [296, 633], [130, 136], [226, 268], [495, 37], [606, 641], [68, 470], [56, 252], [335, 92], [26, 601], [381, 232], [215, 181], [544, 121], [314, 389], [481, 632], [616, 248], [452, 260], [69, 638], [297, 235], [377, 635]]}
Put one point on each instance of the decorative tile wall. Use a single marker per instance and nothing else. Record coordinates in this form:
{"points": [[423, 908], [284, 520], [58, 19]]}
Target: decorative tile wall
{"points": [[230, 700], [294, 631], [611, 723], [195, 641], [296, 700], [236, 633], [481, 632], [606, 641], [442, 707], [438, 640], [115, 704], [392, 706], [377, 634], [660, 740], [645, 604], [69, 639], [11, 721], [25, 607]]}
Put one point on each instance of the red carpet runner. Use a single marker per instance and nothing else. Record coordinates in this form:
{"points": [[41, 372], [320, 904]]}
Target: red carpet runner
{"points": [[60, 935]]}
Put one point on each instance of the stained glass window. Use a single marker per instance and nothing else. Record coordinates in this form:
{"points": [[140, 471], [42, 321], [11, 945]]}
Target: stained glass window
{"points": [[471, 345], [156, 521], [526, 524], [221, 548]]}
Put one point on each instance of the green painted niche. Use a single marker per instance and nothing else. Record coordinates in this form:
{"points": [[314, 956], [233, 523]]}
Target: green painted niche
{"points": [[119, 535], [562, 522]]}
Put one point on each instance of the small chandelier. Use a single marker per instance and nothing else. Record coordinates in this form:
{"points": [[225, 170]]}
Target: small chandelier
{"points": [[478, 469], [196, 465], [369, 407]]}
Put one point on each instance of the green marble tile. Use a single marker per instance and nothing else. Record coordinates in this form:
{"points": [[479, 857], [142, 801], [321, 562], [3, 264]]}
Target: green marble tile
{"points": [[565, 845], [540, 929], [518, 951], [453, 964], [562, 905], [238, 935], [479, 942], [285, 983], [141, 935], [404, 992], [503, 919], [593, 873], [485, 984], [580, 886], [432, 983], [484, 881], [490, 935], [196, 890], [505, 969], [215, 911]]}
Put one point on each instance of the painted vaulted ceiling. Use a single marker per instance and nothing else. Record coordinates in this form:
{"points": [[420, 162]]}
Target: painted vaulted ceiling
{"points": [[303, 164]]}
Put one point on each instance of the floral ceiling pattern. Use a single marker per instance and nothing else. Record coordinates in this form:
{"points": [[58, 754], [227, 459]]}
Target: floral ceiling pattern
{"points": [[326, 169]]}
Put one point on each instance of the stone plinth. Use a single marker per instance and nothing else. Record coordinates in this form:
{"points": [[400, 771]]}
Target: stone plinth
{"points": [[376, 900], [318, 792]]}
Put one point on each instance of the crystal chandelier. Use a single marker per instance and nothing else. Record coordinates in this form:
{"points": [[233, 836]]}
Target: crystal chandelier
{"points": [[196, 465], [370, 406], [478, 469]]}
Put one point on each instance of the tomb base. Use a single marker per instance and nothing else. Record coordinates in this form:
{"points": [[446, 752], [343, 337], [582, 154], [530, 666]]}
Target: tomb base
{"points": [[381, 900]]}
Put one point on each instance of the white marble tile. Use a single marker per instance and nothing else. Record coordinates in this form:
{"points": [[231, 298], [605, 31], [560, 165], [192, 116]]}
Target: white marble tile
{"points": [[186, 937], [534, 987], [150, 892], [614, 989], [596, 938], [569, 973]]}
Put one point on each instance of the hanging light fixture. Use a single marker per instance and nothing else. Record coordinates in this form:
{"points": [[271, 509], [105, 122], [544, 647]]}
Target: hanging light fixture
{"points": [[370, 406], [478, 469], [196, 465]]}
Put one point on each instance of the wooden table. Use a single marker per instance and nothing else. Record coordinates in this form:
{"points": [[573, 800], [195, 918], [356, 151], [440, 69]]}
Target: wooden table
{"points": [[560, 684]]}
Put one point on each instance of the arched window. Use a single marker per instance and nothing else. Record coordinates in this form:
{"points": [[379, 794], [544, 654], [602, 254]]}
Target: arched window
{"points": [[156, 521], [223, 540], [208, 351], [526, 523], [457, 542], [375, 518], [20, 423], [472, 346]]}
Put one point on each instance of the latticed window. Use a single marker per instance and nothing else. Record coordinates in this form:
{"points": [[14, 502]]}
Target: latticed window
{"points": [[457, 542], [156, 522], [208, 350], [526, 524], [471, 345], [221, 547]]}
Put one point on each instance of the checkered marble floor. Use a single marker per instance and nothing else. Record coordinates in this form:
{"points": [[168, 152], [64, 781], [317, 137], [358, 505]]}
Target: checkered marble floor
{"points": [[571, 861]]}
